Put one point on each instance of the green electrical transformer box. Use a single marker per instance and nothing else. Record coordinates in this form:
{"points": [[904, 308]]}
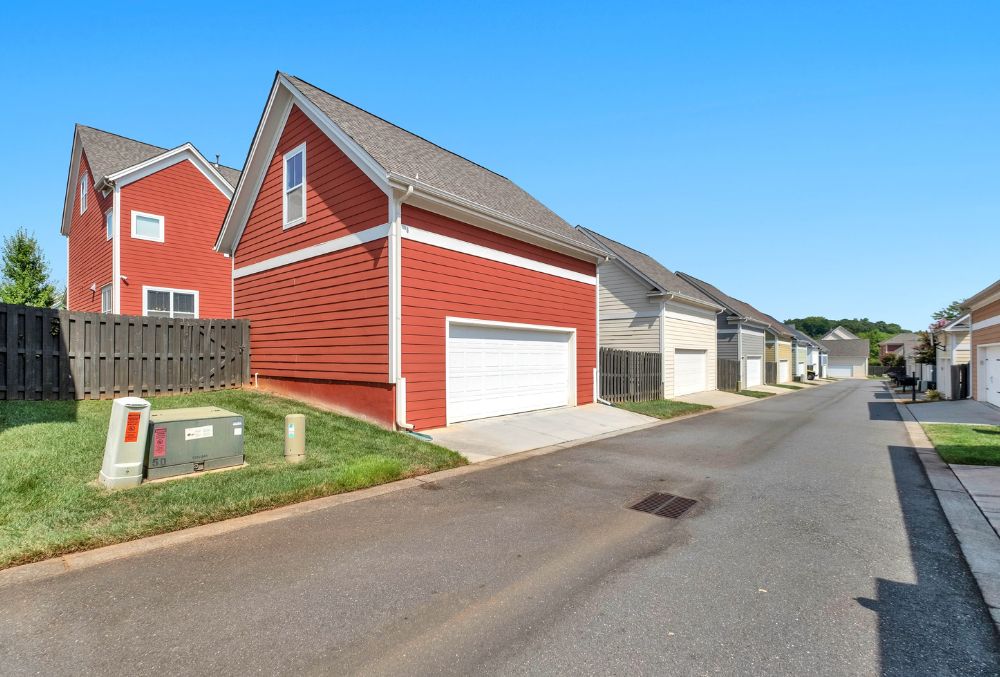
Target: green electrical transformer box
{"points": [[182, 441]]}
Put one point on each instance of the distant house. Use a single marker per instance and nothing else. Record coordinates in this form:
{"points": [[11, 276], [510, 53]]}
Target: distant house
{"points": [[140, 223], [848, 358], [840, 333], [984, 313], [644, 306], [955, 339], [901, 345], [815, 353]]}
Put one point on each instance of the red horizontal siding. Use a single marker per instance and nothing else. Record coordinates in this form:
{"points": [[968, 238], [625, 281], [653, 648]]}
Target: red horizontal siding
{"points": [[439, 283], [90, 251], [325, 318], [372, 401], [193, 209], [340, 198]]}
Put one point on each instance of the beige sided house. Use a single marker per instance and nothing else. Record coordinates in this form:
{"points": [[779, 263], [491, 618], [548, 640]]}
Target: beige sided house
{"points": [[984, 311], [644, 306], [955, 339]]}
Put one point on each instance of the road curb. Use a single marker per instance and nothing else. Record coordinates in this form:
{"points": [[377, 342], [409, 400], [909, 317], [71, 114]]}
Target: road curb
{"points": [[977, 539], [63, 564]]}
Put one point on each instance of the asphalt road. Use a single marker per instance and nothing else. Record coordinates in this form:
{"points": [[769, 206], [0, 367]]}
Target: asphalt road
{"points": [[817, 547]]}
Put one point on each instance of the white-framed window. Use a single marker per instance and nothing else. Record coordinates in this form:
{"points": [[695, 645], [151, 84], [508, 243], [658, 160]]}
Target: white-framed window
{"points": [[164, 302], [294, 182], [83, 192], [109, 224], [106, 299], [148, 226]]}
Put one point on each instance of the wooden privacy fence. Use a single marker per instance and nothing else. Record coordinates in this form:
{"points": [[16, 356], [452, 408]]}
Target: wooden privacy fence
{"points": [[728, 375], [959, 381], [48, 354], [770, 373], [630, 376]]}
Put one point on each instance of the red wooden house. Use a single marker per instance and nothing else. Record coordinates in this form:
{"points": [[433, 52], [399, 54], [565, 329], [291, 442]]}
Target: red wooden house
{"points": [[391, 278], [140, 223]]}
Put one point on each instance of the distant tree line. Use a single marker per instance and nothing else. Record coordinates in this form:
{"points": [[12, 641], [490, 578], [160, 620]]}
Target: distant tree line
{"points": [[817, 327]]}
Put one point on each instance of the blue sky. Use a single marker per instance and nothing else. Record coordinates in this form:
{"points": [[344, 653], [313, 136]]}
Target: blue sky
{"points": [[834, 159]]}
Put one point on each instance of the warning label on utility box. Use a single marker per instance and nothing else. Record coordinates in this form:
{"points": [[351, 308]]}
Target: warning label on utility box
{"points": [[132, 426], [198, 433], [159, 442]]}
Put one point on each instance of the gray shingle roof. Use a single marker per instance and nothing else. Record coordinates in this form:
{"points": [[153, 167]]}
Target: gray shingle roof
{"points": [[664, 279], [801, 336], [109, 153], [847, 347], [733, 305], [401, 152], [905, 337]]}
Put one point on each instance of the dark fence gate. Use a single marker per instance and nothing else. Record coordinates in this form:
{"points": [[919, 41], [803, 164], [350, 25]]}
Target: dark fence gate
{"points": [[48, 354], [959, 381], [770, 373], [630, 376], [728, 375]]}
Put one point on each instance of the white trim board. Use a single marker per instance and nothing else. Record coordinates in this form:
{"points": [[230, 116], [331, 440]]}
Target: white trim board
{"points": [[988, 322], [313, 251]]}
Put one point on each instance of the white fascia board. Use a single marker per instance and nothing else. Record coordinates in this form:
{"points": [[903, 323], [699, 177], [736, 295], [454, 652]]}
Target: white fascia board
{"points": [[953, 326], [71, 181], [169, 159]]}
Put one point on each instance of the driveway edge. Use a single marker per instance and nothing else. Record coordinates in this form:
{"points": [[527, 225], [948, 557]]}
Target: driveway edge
{"points": [[976, 537], [56, 566]]}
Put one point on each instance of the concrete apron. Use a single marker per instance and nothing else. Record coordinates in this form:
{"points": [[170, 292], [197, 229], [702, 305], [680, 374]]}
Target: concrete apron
{"points": [[978, 540]]}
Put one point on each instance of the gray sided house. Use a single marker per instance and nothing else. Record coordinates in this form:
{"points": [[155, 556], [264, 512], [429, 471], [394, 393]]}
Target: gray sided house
{"points": [[808, 352], [644, 306], [741, 331]]}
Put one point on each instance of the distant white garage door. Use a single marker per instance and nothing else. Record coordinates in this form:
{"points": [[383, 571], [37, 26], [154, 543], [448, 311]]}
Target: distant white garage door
{"points": [[754, 371], [783, 371], [690, 367], [840, 370], [800, 368], [496, 370], [990, 374]]}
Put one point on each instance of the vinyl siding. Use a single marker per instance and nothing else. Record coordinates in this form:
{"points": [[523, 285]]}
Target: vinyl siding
{"points": [[640, 333], [340, 198], [728, 345], [622, 292], [686, 327], [981, 337], [753, 346], [784, 351], [962, 351], [90, 251], [193, 210], [439, 283]]}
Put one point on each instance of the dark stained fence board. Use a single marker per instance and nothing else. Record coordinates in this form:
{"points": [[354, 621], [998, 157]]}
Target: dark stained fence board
{"points": [[728, 375], [59, 354], [630, 376]]}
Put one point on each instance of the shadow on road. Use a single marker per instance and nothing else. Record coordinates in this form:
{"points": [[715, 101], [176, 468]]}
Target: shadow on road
{"points": [[938, 625], [883, 411]]}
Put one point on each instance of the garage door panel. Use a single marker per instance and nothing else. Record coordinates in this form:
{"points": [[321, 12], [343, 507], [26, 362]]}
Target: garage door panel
{"points": [[754, 371], [783, 371], [690, 370], [840, 370], [494, 371]]}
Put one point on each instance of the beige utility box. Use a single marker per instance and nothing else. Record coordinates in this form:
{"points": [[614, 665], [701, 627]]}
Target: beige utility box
{"points": [[125, 448]]}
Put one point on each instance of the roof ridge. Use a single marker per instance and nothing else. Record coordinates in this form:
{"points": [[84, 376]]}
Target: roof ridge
{"points": [[402, 129], [153, 145]]}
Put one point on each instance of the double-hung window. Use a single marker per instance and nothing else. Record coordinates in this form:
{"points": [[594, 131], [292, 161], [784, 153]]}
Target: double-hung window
{"points": [[109, 226], [106, 302], [294, 201], [181, 303], [147, 226], [83, 192]]}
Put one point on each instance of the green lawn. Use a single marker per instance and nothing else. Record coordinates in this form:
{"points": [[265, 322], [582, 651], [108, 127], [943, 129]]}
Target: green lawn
{"points": [[50, 454], [759, 394], [664, 408], [787, 385], [966, 444]]}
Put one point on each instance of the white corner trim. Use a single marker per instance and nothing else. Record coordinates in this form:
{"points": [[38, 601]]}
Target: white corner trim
{"points": [[163, 226], [988, 322], [465, 247], [313, 251]]}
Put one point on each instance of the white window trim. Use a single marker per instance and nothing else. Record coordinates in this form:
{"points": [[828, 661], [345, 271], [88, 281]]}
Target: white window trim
{"points": [[83, 192], [111, 289], [285, 223], [145, 300], [109, 215], [163, 226]]}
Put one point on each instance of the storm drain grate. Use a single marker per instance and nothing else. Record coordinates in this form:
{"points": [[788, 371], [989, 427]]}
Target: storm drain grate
{"points": [[664, 505]]}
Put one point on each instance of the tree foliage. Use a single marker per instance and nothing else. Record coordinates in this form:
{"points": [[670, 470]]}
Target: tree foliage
{"points": [[25, 273], [925, 352], [952, 311], [817, 326]]}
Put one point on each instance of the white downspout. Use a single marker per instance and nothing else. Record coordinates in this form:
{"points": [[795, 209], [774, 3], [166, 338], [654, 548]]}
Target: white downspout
{"points": [[116, 254], [395, 306]]}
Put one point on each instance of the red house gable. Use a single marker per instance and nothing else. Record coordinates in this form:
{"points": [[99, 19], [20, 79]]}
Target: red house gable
{"points": [[144, 241], [415, 303]]}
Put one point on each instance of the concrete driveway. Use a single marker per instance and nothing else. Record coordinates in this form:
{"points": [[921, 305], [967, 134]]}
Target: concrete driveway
{"points": [[969, 412], [816, 547], [491, 437]]}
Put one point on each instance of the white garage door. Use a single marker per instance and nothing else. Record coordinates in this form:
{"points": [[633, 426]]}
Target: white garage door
{"points": [[690, 367], [783, 371], [800, 369], [494, 371], [753, 371], [840, 370], [991, 374]]}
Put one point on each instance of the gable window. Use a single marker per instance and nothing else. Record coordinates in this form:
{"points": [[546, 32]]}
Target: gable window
{"points": [[147, 227], [106, 301], [109, 226], [83, 193], [181, 303], [294, 202]]}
